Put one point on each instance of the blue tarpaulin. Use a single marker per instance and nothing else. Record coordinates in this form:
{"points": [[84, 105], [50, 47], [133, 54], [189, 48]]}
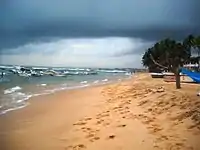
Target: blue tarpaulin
{"points": [[193, 75]]}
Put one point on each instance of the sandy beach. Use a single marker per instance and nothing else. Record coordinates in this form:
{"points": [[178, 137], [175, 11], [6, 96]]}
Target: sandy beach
{"points": [[137, 114]]}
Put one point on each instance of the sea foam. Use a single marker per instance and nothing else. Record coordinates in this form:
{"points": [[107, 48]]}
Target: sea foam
{"points": [[95, 82], [104, 80], [84, 82], [11, 90]]}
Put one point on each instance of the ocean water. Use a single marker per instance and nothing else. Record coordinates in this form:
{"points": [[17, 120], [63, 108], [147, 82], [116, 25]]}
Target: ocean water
{"points": [[17, 87]]}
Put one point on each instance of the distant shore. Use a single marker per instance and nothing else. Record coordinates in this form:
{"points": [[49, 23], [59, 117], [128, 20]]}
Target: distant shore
{"points": [[139, 113]]}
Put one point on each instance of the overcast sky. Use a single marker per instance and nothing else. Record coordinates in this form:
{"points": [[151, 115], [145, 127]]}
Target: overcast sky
{"points": [[90, 33]]}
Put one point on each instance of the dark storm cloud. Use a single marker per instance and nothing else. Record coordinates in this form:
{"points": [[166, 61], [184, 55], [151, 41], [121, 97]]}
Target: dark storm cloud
{"points": [[25, 21]]}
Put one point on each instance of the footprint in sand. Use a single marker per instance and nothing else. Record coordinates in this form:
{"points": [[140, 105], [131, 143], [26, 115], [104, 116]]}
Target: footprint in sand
{"points": [[124, 112], [76, 147], [162, 138], [92, 135], [106, 111], [111, 136], [175, 146], [124, 117], [147, 120], [121, 125], [87, 119], [82, 121], [89, 131], [99, 122], [149, 110], [102, 122], [99, 116], [79, 123], [127, 107], [94, 139], [141, 103], [117, 108], [106, 124], [85, 129], [139, 116], [154, 129]]}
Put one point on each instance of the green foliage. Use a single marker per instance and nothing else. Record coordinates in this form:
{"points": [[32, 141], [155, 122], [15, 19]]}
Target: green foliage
{"points": [[192, 42], [168, 53]]}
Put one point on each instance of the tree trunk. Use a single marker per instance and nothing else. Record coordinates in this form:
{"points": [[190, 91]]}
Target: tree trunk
{"points": [[178, 79]]}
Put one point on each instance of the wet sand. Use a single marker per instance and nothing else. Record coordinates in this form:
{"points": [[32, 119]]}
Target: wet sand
{"points": [[141, 113]]}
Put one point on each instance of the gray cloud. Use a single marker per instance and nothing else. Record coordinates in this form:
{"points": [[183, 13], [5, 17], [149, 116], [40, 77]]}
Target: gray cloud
{"points": [[138, 49], [34, 20], [36, 29], [82, 52]]}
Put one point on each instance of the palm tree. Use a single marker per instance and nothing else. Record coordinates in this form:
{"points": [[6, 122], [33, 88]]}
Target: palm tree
{"points": [[167, 54]]}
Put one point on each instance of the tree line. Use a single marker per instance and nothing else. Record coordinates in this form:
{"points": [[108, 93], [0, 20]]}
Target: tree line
{"points": [[171, 55]]}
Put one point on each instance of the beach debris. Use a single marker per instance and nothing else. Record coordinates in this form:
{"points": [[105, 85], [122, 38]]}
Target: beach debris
{"points": [[160, 89], [198, 94], [157, 90]]}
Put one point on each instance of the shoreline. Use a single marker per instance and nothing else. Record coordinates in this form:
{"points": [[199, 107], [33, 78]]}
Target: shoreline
{"points": [[29, 98], [139, 113]]}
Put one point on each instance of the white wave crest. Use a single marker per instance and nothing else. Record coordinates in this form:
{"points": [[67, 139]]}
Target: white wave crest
{"points": [[112, 71], [95, 82], [104, 80], [83, 82], [11, 90]]}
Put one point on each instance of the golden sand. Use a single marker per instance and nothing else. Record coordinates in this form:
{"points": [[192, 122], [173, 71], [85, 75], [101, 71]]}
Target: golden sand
{"points": [[138, 114]]}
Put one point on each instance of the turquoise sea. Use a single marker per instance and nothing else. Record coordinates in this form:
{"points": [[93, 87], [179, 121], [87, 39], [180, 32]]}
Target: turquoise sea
{"points": [[18, 84]]}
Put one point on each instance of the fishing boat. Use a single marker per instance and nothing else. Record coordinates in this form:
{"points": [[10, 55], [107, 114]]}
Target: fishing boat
{"points": [[157, 75], [170, 77], [23, 74]]}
